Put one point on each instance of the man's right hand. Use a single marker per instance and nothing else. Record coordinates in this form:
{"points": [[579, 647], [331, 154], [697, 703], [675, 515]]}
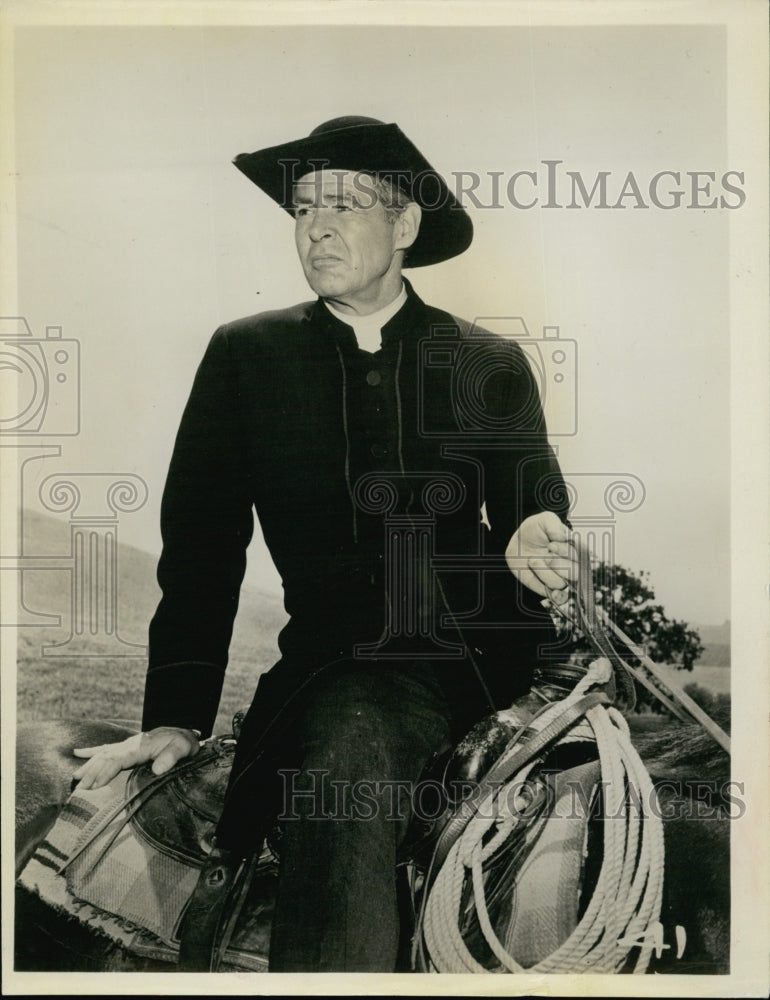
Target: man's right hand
{"points": [[164, 746]]}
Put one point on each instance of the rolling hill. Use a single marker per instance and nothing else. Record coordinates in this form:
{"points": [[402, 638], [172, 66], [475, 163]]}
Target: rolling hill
{"points": [[97, 683]]}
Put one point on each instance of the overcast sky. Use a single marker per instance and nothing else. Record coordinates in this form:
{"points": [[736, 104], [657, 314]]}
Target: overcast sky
{"points": [[138, 236]]}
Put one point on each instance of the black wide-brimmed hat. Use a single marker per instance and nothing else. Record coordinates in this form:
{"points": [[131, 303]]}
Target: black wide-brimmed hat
{"points": [[366, 144]]}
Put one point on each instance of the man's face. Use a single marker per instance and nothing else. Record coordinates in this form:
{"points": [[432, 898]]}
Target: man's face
{"points": [[345, 240]]}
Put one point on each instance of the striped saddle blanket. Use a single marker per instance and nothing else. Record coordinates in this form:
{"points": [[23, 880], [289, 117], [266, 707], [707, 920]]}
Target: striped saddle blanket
{"points": [[124, 860]]}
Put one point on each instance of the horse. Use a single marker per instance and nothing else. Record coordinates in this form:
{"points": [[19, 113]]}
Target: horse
{"points": [[690, 773]]}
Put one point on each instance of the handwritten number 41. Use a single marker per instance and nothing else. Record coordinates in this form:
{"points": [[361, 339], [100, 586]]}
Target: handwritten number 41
{"points": [[654, 935]]}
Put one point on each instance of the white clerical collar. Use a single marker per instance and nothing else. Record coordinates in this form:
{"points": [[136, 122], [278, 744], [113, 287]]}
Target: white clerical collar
{"points": [[368, 329]]}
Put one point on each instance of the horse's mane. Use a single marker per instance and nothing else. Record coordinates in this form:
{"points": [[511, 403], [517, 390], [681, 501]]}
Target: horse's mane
{"points": [[684, 751]]}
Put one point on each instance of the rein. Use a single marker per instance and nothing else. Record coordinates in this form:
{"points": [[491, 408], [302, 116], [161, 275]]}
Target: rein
{"points": [[597, 626]]}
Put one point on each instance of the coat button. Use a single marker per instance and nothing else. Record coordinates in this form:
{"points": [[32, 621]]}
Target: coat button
{"points": [[373, 378]]}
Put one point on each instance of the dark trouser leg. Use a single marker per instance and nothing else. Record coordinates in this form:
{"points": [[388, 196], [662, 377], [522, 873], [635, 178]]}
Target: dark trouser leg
{"points": [[366, 730]]}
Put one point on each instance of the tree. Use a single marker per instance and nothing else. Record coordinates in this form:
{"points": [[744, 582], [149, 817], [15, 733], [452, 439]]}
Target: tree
{"points": [[629, 600]]}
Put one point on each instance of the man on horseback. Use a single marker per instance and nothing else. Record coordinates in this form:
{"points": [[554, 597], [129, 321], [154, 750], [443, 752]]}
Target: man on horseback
{"points": [[397, 459]]}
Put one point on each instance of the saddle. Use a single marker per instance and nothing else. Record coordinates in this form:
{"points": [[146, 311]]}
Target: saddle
{"points": [[234, 897], [178, 817], [140, 858], [226, 879]]}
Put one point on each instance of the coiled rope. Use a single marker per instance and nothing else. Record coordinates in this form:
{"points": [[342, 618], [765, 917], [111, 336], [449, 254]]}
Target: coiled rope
{"points": [[626, 901]]}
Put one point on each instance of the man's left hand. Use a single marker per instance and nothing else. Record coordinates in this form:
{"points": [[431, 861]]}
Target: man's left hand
{"points": [[164, 746], [542, 555]]}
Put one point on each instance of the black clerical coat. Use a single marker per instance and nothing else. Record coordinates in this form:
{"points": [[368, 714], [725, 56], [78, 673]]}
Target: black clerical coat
{"points": [[368, 473]]}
